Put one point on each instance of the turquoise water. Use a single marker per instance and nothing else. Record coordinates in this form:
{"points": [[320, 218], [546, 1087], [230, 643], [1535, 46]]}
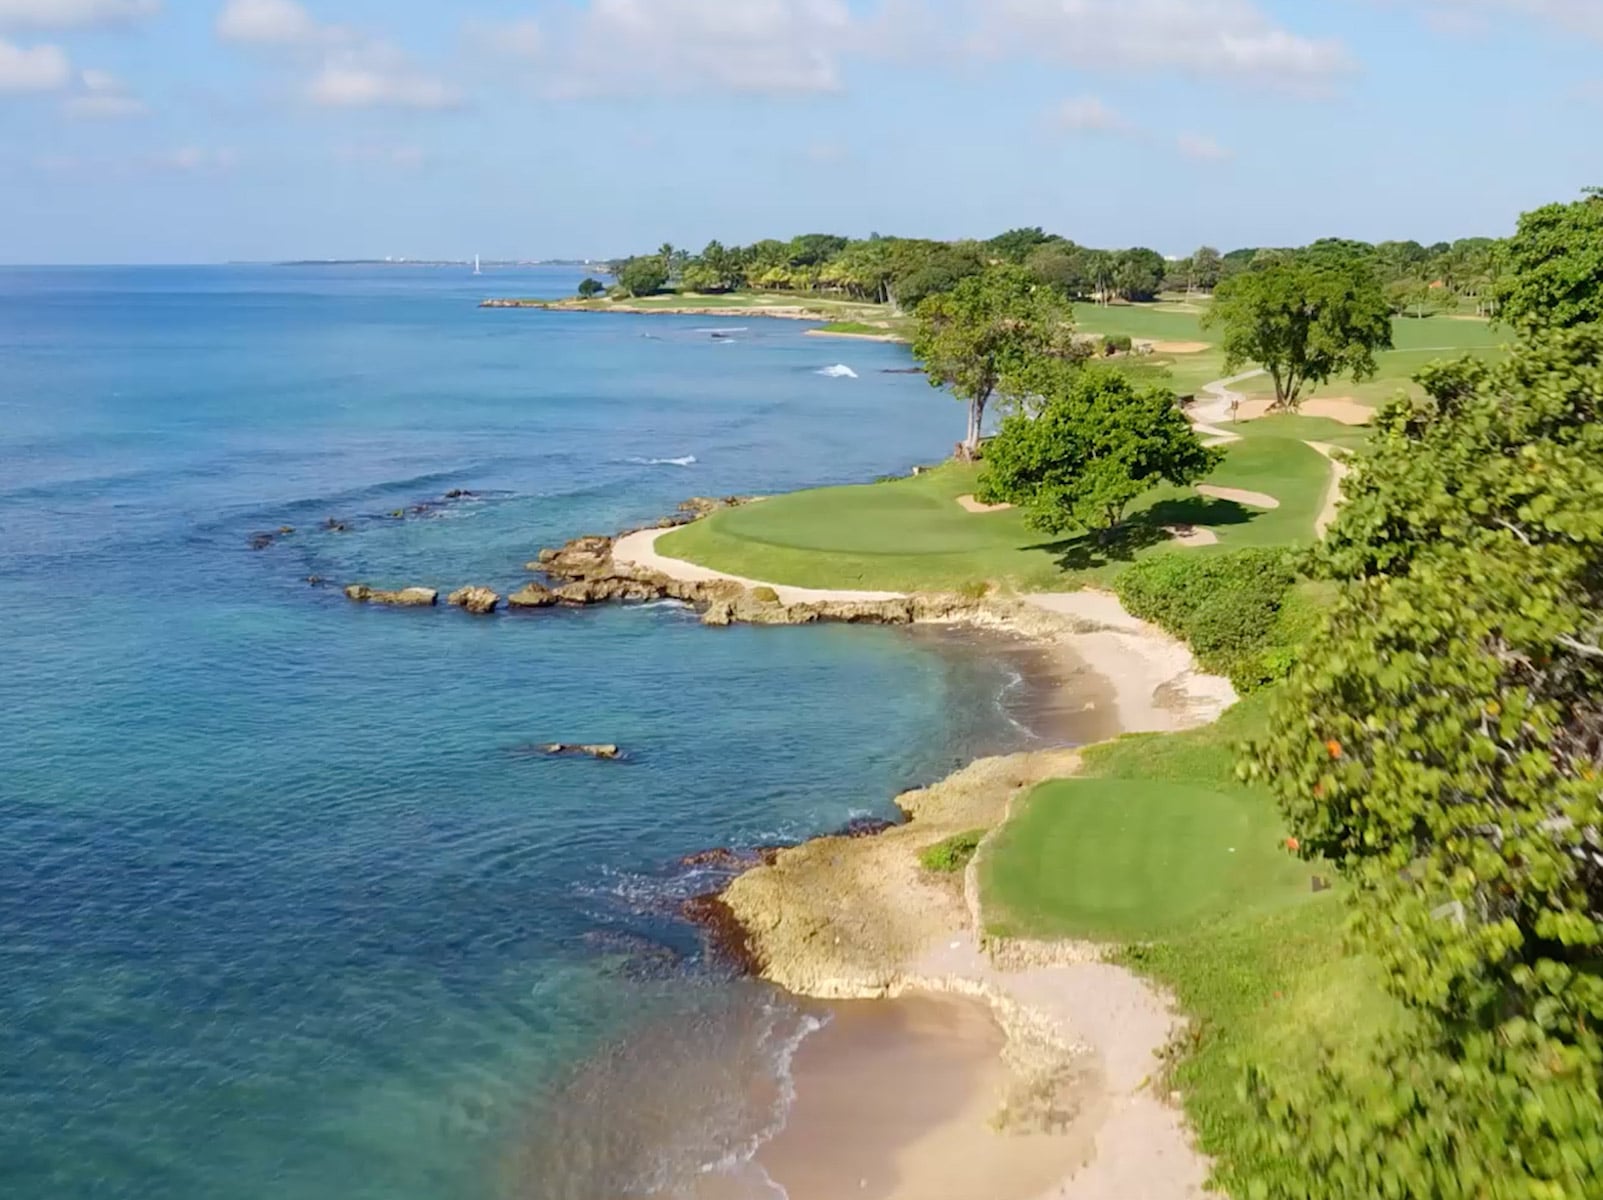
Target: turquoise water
{"points": [[283, 911]]}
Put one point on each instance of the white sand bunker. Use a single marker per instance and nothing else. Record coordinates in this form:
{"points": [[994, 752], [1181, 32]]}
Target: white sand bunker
{"points": [[1336, 408], [1191, 535], [1178, 347], [970, 504], [1238, 496]]}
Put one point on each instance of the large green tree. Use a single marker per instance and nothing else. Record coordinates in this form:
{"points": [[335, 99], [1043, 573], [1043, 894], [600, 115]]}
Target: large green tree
{"points": [[1305, 318], [644, 276], [986, 328], [1442, 744], [1553, 267], [1091, 444]]}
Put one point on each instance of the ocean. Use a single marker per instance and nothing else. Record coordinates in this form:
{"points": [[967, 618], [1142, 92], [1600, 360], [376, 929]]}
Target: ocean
{"points": [[288, 910]]}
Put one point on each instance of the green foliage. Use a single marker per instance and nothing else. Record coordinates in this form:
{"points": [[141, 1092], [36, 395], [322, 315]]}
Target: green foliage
{"points": [[765, 595], [1117, 343], [589, 289], [1418, 298], [988, 327], [1240, 612], [952, 855], [644, 276], [1138, 274], [1305, 318], [1553, 274], [1441, 743], [1092, 445], [1016, 244]]}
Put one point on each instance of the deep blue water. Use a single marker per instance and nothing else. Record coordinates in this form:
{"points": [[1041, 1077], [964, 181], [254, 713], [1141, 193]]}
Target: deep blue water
{"points": [[283, 914]]}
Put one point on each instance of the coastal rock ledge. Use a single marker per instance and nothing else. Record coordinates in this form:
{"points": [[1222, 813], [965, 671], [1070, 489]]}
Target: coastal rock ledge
{"points": [[480, 601], [589, 574], [412, 597]]}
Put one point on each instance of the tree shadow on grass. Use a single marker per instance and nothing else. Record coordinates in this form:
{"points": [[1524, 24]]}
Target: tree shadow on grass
{"points": [[1145, 529]]}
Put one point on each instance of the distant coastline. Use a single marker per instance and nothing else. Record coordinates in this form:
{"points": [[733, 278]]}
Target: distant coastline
{"points": [[835, 324]]}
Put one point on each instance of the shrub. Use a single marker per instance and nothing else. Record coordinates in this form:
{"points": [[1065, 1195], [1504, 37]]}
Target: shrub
{"points": [[952, 855], [765, 595], [974, 589], [591, 288], [1241, 612], [1117, 343]]}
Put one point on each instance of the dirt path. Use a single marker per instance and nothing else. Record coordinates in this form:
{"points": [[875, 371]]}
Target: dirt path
{"points": [[1339, 471], [1215, 406]]}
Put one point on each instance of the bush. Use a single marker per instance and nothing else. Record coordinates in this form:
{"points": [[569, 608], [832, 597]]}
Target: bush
{"points": [[975, 589], [952, 855], [1241, 612], [1117, 343], [591, 288], [765, 595]]}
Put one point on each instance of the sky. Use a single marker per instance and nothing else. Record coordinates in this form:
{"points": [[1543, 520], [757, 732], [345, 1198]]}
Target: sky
{"points": [[178, 131]]}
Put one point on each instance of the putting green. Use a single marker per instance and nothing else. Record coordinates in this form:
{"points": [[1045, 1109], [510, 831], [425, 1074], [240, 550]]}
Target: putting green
{"points": [[1128, 858]]}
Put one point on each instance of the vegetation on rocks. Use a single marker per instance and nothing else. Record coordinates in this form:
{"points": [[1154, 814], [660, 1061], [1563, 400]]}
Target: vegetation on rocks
{"points": [[951, 855]]}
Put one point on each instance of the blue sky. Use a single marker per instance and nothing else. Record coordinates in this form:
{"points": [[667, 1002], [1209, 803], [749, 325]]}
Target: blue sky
{"points": [[207, 130]]}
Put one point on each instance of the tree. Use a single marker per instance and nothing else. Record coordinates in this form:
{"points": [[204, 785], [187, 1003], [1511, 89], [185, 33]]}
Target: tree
{"points": [[925, 269], [1138, 273], [589, 289], [1015, 245], [1441, 744], [1419, 298], [988, 326], [815, 249], [699, 277], [1094, 444], [643, 276], [1207, 268], [1554, 267], [1062, 265], [1304, 319]]}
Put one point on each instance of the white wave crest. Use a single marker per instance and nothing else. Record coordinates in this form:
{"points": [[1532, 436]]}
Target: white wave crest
{"points": [[689, 460], [839, 371]]}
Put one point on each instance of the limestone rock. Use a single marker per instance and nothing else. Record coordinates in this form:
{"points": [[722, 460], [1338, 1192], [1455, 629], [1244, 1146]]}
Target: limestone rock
{"points": [[532, 596], [480, 601], [603, 750], [412, 597]]}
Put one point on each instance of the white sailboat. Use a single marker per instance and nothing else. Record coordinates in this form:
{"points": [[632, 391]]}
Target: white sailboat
{"points": [[476, 270]]}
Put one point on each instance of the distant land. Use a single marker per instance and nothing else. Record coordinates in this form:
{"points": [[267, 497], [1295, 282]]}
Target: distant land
{"points": [[441, 262]]}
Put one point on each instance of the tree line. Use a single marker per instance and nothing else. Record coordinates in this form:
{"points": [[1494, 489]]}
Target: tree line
{"points": [[1417, 280]]}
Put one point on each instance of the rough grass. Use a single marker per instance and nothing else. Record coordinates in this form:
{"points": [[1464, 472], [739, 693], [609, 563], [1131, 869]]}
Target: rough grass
{"points": [[952, 855]]}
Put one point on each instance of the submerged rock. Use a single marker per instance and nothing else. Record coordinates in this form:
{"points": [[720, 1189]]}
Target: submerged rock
{"points": [[459, 494], [412, 597], [260, 541], [335, 525], [480, 601], [603, 750]]}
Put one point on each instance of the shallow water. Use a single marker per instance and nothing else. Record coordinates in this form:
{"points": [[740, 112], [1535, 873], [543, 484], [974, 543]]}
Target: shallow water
{"points": [[283, 911]]}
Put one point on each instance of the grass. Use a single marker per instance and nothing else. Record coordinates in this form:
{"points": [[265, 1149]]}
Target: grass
{"points": [[911, 535], [952, 855], [899, 327], [1154, 838]]}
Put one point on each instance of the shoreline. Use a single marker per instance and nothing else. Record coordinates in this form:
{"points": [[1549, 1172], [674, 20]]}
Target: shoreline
{"points": [[859, 919], [780, 312]]}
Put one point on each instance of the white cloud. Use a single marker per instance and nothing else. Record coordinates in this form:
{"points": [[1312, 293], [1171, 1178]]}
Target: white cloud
{"points": [[343, 67], [754, 46], [1088, 114], [73, 14], [1203, 149], [272, 23], [33, 68], [103, 96], [358, 84], [1227, 39]]}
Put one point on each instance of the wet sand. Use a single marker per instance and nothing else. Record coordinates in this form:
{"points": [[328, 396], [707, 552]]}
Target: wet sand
{"points": [[897, 1100]]}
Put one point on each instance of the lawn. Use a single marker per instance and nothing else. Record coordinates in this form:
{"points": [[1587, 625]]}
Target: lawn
{"points": [[911, 535], [1156, 837]]}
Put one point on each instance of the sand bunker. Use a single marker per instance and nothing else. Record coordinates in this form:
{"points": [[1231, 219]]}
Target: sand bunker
{"points": [[1238, 496], [970, 504], [1336, 408], [1178, 347], [1339, 470], [1192, 535]]}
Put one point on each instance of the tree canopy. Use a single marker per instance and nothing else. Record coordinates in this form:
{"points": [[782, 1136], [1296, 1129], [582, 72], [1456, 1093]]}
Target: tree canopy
{"points": [[1305, 318], [1441, 744], [1092, 443], [644, 276], [1554, 267], [988, 326]]}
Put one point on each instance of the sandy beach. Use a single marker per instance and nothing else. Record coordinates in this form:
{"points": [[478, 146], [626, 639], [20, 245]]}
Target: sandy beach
{"points": [[1045, 1090]]}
